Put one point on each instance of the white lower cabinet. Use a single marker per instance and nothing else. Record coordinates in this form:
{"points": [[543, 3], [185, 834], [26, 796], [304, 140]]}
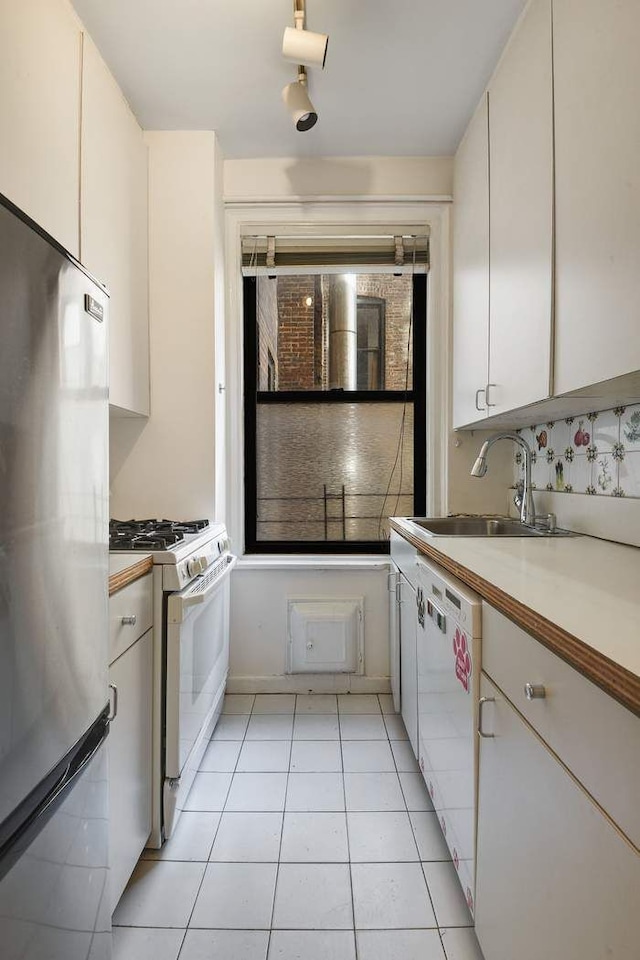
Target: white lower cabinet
{"points": [[409, 659], [555, 878], [129, 744], [404, 652]]}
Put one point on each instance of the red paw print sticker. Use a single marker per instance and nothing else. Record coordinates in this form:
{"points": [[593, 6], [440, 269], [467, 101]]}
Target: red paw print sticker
{"points": [[422, 764], [463, 659], [443, 824], [456, 859], [431, 790], [469, 899]]}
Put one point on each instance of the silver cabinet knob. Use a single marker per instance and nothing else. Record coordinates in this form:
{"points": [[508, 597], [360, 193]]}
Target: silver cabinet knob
{"points": [[534, 691], [129, 621]]}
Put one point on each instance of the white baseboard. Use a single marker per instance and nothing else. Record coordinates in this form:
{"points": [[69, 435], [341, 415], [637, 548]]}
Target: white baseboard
{"points": [[309, 683]]}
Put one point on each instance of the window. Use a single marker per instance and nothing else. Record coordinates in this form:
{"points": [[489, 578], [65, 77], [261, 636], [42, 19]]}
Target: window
{"points": [[370, 339], [334, 409]]}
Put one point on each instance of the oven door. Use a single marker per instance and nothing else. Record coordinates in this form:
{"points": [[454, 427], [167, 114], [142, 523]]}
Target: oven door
{"points": [[197, 666]]}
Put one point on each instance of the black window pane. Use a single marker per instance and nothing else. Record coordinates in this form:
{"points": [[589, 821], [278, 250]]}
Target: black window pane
{"points": [[332, 472]]}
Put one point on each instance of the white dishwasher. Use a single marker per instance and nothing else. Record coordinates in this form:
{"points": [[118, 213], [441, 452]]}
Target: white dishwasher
{"points": [[448, 651]]}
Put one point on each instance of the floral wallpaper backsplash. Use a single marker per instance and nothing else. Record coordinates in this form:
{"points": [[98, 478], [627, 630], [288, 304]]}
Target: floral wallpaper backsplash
{"points": [[596, 454]]}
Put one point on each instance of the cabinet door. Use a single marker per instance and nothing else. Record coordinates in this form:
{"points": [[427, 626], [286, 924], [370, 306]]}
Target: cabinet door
{"points": [[597, 120], [40, 114], [394, 641], [129, 745], [575, 718], [409, 660], [555, 879], [114, 226], [471, 271], [521, 216]]}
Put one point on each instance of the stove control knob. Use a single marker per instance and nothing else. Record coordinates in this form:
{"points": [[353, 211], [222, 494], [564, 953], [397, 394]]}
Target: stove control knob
{"points": [[204, 563], [194, 567]]}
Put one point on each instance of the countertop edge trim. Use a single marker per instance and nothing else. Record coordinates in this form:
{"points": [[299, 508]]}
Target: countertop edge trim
{"points": [[614, 679], [123, 578]]}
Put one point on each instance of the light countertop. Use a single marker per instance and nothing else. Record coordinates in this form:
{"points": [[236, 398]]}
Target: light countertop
{"points": [[578, 595]]}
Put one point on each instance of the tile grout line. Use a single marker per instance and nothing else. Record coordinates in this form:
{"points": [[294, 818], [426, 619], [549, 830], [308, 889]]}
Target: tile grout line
{"points": [[208, 861], [416, 841], [284, 809], [283, 815], [346, 821], [182, 942], [233, 773], [417, 847]]}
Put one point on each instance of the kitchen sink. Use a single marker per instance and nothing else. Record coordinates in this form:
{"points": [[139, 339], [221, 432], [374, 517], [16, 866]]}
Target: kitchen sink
{"points": [[479, 527]]}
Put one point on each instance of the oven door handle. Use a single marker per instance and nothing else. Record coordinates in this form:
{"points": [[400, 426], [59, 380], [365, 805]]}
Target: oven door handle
{"points": [[180, 602]]}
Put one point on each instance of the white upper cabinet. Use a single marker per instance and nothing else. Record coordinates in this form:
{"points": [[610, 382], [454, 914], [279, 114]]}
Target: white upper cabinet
{"points": [[521, 216], [114, 226], [40, 114], [597, 114], [471, 271]]}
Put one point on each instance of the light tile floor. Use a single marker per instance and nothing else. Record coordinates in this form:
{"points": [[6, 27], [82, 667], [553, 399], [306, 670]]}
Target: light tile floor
{"points": [[309, 835]]}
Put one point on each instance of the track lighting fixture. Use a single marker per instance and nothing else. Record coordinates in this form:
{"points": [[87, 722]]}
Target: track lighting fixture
{"points": [[307, 49], [297, 102]]}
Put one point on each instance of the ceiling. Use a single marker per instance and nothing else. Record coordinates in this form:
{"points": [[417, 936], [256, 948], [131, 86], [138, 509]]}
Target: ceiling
{"points": [[402, 76]]}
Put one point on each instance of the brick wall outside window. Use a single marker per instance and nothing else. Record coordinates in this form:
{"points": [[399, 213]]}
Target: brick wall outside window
{"points": [[268, 329], [296, 341], [296, 333]]}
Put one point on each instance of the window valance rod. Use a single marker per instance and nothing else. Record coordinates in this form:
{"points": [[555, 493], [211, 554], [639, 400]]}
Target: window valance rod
{"points": [[375, 252]]}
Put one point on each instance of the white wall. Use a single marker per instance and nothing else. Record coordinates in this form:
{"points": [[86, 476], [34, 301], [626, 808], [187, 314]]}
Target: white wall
{"points": [[166, 466], [490, 494], [260, 589], [287, 178], [220, 358]]}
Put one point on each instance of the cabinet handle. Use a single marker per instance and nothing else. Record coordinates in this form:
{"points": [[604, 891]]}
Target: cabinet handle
{"points": [[113, 696], [437, 616], [421, 606], [534, 691], [399, 586], [486, 395], [129, 621], [478, 407], [481, 703]]}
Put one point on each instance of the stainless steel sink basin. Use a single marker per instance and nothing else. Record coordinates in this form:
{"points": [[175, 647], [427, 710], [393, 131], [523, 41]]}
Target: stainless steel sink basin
{"points": [[478, 527]]}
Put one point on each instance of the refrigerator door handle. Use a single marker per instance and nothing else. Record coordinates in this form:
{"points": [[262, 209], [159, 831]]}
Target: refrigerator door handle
{"points": [[113, 697], [65, 777]]}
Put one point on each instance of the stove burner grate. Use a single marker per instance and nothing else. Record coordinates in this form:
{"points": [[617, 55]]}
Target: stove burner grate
{"points": [[151, 534]]}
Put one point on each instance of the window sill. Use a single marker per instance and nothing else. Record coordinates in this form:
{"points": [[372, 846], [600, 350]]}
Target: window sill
{"points": [[313, 562]]}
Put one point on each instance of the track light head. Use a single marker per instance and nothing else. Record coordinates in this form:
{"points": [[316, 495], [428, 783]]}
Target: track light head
{"points": [[296, 100], [305, 47]]}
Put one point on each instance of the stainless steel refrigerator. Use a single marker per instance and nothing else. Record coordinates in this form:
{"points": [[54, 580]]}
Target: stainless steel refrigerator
{"points": [[54, 711]]}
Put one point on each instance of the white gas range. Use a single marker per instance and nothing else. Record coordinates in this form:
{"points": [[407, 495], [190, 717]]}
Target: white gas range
{"points": [[192, 563]]}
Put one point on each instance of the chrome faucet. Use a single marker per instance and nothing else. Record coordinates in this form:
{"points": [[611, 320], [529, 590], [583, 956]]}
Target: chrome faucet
{"points": [[479, 469]]}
